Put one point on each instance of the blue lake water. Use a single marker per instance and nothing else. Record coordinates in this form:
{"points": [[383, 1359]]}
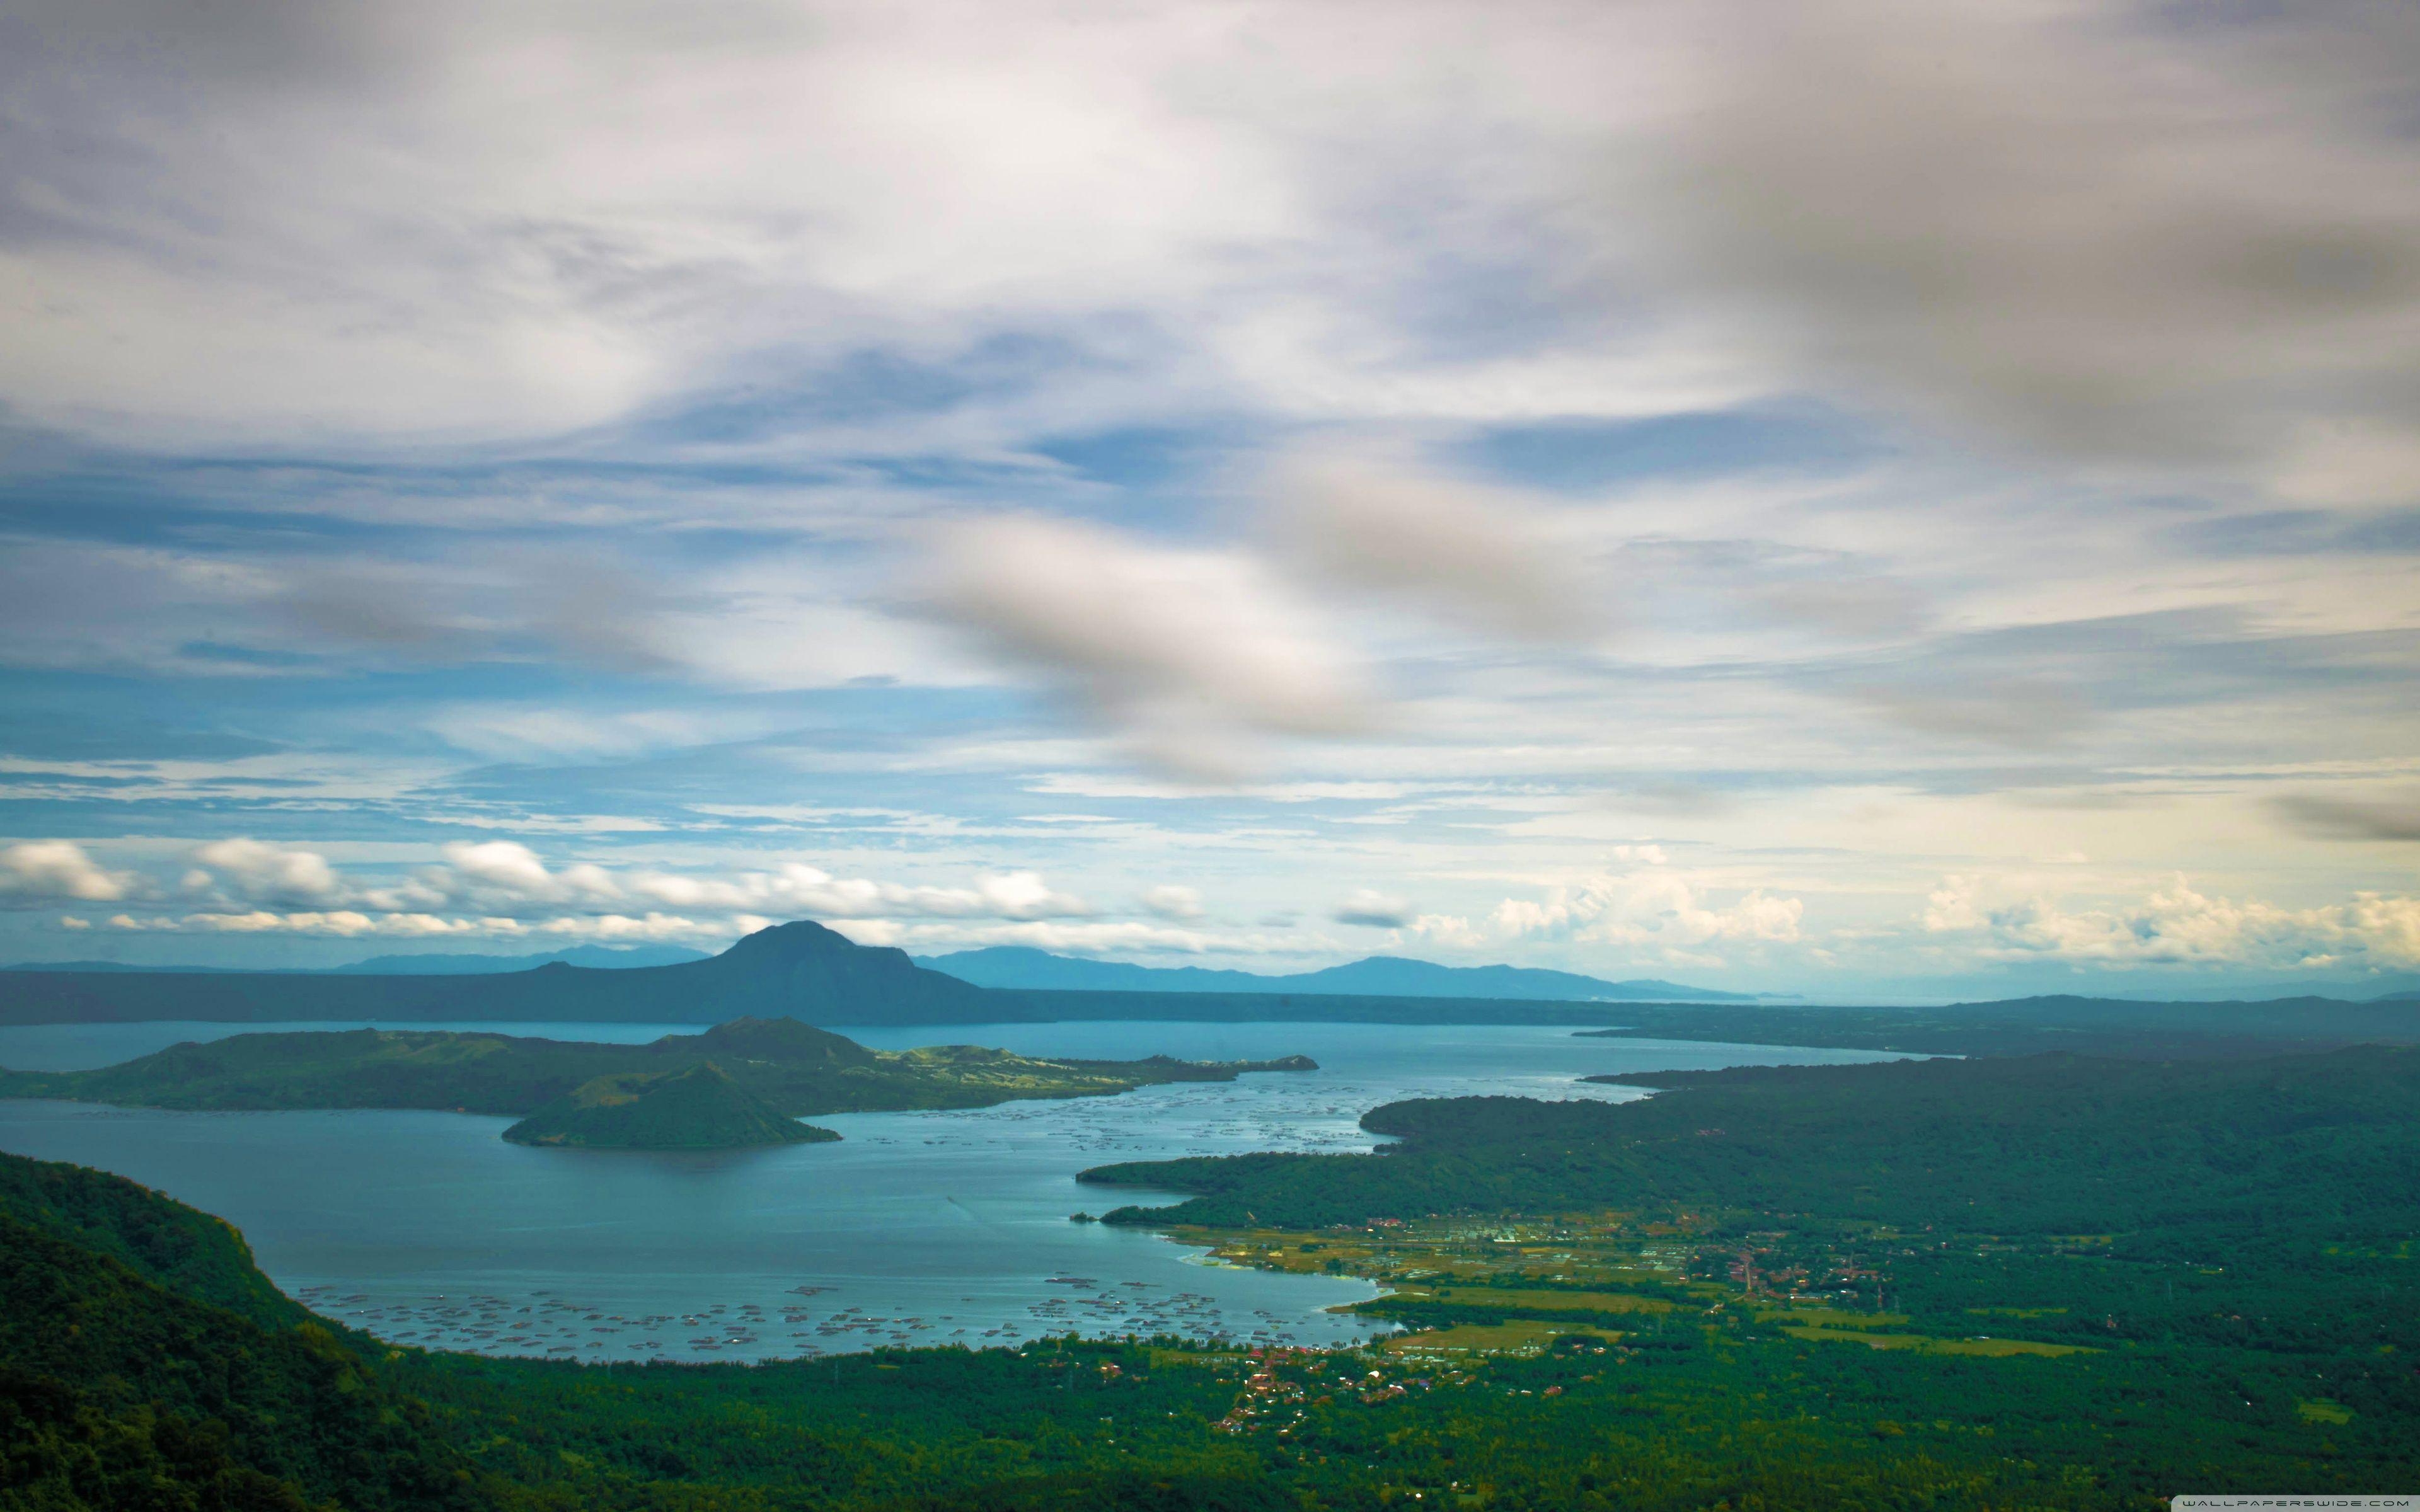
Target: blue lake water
{"points": [[916, 1228]]}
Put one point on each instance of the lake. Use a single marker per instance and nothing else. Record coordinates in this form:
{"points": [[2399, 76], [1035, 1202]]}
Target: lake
{"points": [[916, 1228]]}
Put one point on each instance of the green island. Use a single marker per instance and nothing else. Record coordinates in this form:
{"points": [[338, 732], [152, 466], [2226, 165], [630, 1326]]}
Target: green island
{"points": [[697, 1108], [2042, 1282], [738, 1084]]}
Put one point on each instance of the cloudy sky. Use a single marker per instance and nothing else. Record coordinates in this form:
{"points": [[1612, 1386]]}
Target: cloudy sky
{"points": [[1838, 498]]}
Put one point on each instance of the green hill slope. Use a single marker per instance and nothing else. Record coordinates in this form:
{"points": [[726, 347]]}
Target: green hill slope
{"points": [[124, 1384], [159, 1239], [699, 1109]]}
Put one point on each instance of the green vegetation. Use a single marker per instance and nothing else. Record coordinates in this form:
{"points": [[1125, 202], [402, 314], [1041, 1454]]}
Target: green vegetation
{"points": [[124, 1384], [2049, 1145], [2061, 1284], [620, 1096], [196, 1254], [698, 1108]]}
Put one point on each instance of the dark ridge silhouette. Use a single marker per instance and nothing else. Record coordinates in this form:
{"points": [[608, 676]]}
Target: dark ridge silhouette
{"points": [[1378, 975], [800, 970]]}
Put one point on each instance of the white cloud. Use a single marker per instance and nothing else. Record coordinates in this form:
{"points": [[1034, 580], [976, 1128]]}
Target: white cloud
{"points": [[260, 872], [799, 890], [1180, 905], [507, 873], [550, 735], [2178, 926], [340, 922], [38, 871], [2102, 230], [1102, 938], [349, 924], [1188, 654], [650, 926], [2105, 228], [1658, 908], [503, 887], [1480, 554], [1450, 931], [1372, 909]]}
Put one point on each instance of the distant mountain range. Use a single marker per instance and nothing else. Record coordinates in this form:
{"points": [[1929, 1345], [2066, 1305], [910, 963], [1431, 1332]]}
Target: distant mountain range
{"points": [[1379, 975], [808, 972], [598, 957], [436, 963], [801, 969]]}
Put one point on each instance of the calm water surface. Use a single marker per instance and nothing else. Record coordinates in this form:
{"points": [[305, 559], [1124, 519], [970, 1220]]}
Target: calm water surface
{"points": [[916, 1228]]}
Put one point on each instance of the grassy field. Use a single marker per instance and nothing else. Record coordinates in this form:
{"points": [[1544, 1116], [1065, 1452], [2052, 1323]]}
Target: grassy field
{"points": [[1522, 1339], [1830, 1318], [1926, 1344]]}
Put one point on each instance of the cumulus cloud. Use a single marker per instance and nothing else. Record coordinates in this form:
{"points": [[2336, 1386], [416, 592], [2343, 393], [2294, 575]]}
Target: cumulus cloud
{"points": [[1452, 932], [350, 923], [506, 874], [38, 871], [503, 887], [1658, 908], [2178, 926], [804, 890], [259, 873], [1484, 555], [1372, 910], [1189, 654]]}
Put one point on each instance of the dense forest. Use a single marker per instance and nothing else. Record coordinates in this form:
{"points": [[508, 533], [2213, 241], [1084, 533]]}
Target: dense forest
{"points": [[2048, 1143], [2053, 1283]]}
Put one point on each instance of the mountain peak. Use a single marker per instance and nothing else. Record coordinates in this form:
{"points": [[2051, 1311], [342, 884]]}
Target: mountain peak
{"points": [[798, 939], [773, 1039], [698, 1107]]}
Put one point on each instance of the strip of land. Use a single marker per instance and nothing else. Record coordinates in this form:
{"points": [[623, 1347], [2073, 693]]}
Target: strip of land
{"points": [[733, 1084]]}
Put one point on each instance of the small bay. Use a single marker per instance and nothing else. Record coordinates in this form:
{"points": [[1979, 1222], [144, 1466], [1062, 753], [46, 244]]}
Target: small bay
{"points": [[916, 1228]]}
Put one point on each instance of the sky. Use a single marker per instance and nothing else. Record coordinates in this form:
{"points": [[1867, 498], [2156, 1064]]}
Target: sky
{"points": [[1843, 499]]}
